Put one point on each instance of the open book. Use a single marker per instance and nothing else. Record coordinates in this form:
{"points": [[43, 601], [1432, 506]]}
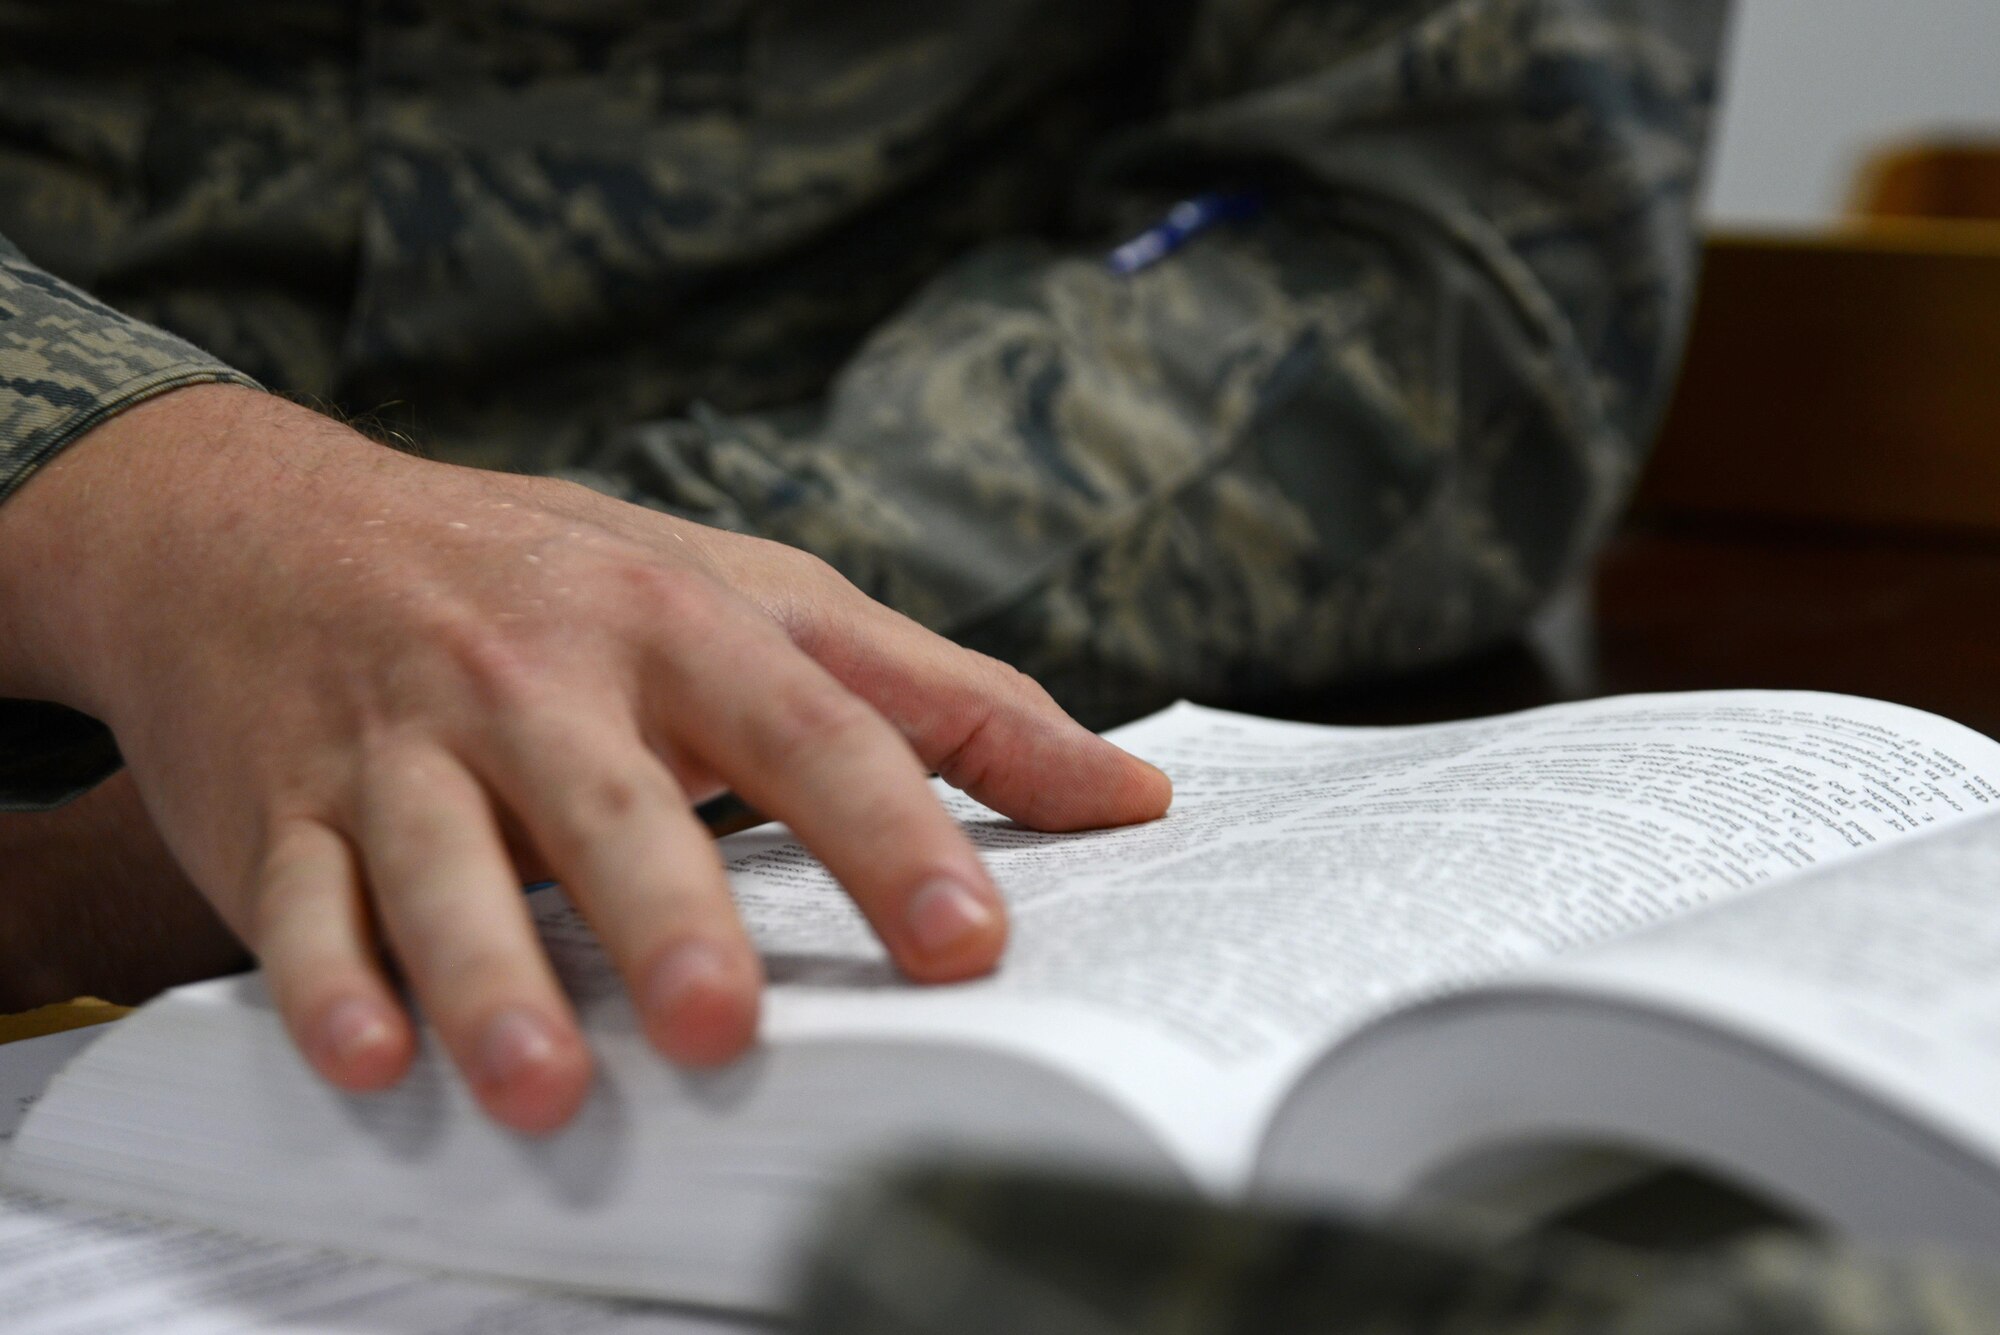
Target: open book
{"points": [[1757, 931], [67, 1269]]}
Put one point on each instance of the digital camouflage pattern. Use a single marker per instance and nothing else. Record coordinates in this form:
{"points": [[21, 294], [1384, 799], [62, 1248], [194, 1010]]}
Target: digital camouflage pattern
{"points": [[832, 271], [59, 350], [968, 1252]]}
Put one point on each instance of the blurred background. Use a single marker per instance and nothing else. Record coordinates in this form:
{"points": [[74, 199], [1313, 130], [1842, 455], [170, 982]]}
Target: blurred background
{"points": [[1822, 509], [1815, 86]]}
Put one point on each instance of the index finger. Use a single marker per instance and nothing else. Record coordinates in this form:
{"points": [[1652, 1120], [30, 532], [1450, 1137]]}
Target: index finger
{"points": [[798, 745]]}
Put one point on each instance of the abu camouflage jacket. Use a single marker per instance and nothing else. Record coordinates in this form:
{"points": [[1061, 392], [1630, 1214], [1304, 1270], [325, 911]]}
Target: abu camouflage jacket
{"points": [[833, 271]]}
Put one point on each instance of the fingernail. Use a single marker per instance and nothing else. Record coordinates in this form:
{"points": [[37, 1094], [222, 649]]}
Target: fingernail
{"points": [[516, 1042], [352, 1029], [689, 970], [944, 914]]}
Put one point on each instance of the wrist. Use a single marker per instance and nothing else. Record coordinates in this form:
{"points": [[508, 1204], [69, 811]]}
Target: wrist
{"points": [[93, 542]]}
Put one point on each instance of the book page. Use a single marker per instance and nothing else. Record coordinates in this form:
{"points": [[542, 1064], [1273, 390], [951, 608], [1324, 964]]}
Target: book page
{"points": [[1883, 972], [1163, 986], [66, 1270], [1309, 878], [27, 1066]]}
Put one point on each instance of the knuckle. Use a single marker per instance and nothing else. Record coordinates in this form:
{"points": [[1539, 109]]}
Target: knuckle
{"points": [[808, 568], [807, 723], [459, 977], [282, 874], [613, 796], [808, 599], [500, 671], [594, 809], [998, 689], [674, 596], [453, 962], [266, 915], [1007, 682]]}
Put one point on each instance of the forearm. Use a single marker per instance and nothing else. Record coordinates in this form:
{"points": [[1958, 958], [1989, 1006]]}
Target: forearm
{"points": [[68, 365], [76, 553]]}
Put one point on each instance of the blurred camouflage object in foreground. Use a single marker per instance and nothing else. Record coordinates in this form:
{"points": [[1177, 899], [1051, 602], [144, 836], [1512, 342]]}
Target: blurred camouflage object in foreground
{"points": [[953, 1251]]}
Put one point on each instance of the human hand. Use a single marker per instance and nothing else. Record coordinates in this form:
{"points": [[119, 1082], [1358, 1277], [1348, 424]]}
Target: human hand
{"points": [[357, 690]]}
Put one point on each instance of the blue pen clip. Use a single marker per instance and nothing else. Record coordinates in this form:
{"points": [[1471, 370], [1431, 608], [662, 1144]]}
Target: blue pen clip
{"points": [[1184, 222]]}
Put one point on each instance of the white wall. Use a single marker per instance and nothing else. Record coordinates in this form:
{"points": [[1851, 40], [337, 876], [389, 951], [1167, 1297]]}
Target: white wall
{"points": [[1812, 84]]}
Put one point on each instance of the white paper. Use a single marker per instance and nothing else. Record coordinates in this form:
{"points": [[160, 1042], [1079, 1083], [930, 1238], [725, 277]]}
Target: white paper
{"points": [[27, 1066], [1885, 972], [1310, 878], [66, 1270]]}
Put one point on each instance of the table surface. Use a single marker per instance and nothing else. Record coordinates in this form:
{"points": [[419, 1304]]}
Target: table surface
{"points": [[55, 1019]]}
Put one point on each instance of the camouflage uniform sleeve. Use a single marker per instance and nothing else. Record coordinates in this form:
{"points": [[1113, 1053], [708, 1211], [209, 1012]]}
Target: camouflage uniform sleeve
{"points": [[1371, 428], [67, 362]]}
